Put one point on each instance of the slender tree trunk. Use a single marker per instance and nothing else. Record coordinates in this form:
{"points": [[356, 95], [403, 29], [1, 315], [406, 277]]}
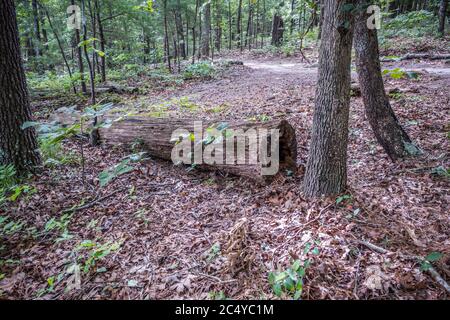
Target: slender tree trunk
{"points": [[86, 54], [239, 25], [80, 58], [61, 49], [206, 30], [28, 36], [17, 146], [180, 31], [326, 170], [194, 26], [442, 15], [102, 40], [218, 25], [230, 27], [37, 29], [385, 125], [322, 9], [166, 37]]}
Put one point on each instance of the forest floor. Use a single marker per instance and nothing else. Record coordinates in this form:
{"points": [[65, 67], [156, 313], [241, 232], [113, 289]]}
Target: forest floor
{"points": [[178, 231]]}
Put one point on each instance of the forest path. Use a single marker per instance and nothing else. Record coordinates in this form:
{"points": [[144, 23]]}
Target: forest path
{"points": [[277, 67]]}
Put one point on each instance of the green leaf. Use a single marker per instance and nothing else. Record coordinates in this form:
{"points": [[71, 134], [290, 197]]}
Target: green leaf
{"points": [[277, 289], [434, 256]]}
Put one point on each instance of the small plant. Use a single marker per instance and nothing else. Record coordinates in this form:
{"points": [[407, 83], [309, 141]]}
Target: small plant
{"points": [[343, 198], [10, 190], [214, 295], [396, 73], [111, 174], [289, 283], [429, 259], [96, 252], [214, 252]]}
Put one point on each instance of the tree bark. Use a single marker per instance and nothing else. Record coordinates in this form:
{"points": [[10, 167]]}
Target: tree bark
{"points": [[37, 29], [102, 40], [206, 30], [239, 25], [277, 30], [180, 31], [383, 121], [326, 170], [17, 147], [442, 16]]}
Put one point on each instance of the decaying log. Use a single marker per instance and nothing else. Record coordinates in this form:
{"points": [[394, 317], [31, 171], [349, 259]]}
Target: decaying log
{"points": [[424, 56], [155, 136]]}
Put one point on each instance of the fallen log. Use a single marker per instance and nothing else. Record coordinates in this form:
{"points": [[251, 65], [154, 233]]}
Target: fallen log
{"points": [[219, 150], [424, 56], [157, 137]]}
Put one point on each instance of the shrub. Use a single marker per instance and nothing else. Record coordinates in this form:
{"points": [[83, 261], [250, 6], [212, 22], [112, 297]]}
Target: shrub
{"points": [[199, 70]]}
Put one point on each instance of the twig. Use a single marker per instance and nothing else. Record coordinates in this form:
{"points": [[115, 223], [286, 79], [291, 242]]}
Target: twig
{"points": [[216, 278], [93, 203], [436, 276]]}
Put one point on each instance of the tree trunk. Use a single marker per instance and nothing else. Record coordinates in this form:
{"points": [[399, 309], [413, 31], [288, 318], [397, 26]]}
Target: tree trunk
{"points": [[102, 40], [206, 30], [37, 30], [61, 49], [218, 25], [17, 147], [239, 25], [166, 37], [322, 8], [442, 15], [80, 58], [326, 170], [194, 27], [180, 31], [385, 125], [277, 30]]}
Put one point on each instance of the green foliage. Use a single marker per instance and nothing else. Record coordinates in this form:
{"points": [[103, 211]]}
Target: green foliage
{"points": [[111, 174], [426, 264], [289, 283], [50, 137], [214, 295], [343, 198], [199, 70], [10, 188], [396, 73], [411, 24], [96, 252]]}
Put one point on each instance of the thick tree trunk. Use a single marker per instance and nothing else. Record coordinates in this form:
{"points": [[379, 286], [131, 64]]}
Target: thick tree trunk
{"points": [[17, 147], [326, 171], [442, 16], [206, 30], [385, 125], [277, 30]]}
